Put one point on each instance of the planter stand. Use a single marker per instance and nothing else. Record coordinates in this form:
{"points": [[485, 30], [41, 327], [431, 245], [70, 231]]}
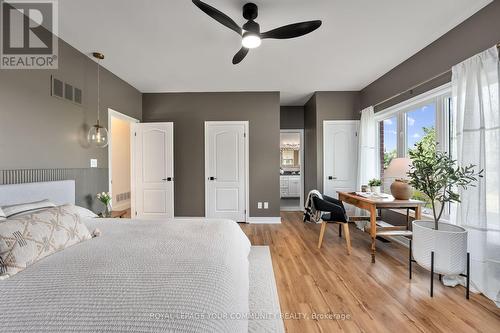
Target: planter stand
{"points": [[467, 284]]}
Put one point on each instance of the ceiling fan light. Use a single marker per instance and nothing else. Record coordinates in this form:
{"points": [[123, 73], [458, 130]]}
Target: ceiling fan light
{"points": [[251, 41]]}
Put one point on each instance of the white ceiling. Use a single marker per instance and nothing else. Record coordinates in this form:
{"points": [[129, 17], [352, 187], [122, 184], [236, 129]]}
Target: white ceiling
{"points": [[172, 46]]}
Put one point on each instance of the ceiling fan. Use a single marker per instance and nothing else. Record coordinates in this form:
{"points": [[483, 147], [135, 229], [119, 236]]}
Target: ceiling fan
{"points": [[250, 32]]}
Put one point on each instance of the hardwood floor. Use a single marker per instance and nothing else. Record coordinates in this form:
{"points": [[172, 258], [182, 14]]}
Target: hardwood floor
{"points": [[371, 297]]}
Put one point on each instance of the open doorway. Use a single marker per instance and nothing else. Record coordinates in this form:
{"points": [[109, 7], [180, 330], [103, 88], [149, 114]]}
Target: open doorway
{"points": [[291, 170], [119, 161]]}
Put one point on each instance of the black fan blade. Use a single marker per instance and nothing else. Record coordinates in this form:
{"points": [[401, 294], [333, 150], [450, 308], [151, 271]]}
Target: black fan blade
{"points": [[238, 57], [218, 16], [292, 30]]}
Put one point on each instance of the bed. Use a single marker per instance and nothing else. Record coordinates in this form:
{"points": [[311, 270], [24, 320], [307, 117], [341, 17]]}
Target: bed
{"points": [[138, 276]]}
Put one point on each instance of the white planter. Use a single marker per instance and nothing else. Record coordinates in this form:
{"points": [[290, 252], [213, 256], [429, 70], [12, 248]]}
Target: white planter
{"points": [[375, 189], [449, 245]]}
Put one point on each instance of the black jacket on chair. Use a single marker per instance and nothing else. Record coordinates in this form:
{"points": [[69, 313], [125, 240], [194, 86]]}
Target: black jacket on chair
{"points": [[331, 208]]}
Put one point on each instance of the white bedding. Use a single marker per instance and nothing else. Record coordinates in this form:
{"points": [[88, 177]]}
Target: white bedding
{"points": [[138, 276]]}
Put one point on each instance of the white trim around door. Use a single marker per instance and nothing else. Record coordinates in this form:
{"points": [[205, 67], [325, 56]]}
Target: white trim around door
{"points": [[354, 150], [301, 201], [246, 164], [115, 114]]}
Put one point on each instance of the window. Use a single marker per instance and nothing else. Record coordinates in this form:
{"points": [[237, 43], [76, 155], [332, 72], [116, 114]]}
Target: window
{"points": [[420, 125], [389, 140], [425, 117]]}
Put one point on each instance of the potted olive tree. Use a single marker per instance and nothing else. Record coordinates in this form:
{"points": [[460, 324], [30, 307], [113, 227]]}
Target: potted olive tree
{"points": [[435, 174]]}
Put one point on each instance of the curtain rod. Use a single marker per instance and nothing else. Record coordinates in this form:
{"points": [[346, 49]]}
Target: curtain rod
{"points": [[417, 85]]}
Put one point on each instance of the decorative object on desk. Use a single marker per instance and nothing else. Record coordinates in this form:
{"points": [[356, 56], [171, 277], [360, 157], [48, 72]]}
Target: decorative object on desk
{"points": [[105, 198], [98, 134], [398, 169], [375, 185], [364, 188], [437, 246]]}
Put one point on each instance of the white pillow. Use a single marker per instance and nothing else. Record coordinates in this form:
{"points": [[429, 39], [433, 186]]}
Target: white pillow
{"points": [[2, 215], [84, 213], [26, 239], [29, 207]]}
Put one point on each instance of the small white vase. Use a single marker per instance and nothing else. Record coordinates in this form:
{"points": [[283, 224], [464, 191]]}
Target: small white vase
{"points": [[375, 189], [449, 244], [107, 211]]}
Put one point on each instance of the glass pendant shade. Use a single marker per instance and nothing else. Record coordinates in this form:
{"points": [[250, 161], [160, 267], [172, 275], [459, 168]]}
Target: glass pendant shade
{"points": [[98, 136]]}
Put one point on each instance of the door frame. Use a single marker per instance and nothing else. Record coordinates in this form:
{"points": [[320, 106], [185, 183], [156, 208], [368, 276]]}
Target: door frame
{"points": [[246, 163], [118, 115], [328, 122], [301, 201]]}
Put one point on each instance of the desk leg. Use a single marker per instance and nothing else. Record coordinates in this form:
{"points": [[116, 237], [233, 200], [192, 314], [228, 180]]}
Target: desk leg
{"points": [[373, 230], [418, 213]]}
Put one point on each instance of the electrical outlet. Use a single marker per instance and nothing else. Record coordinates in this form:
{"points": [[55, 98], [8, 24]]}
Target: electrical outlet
{"points": [[93, 163], [266, 205], [259, 205]]}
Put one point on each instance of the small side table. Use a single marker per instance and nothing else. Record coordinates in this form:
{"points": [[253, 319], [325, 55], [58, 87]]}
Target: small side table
{"points": [[116, 214]]}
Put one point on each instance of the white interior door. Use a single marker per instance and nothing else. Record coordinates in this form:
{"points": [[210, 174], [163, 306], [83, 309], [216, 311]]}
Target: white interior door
{"points": [[340, 156], [226, 170], [153, 170]]}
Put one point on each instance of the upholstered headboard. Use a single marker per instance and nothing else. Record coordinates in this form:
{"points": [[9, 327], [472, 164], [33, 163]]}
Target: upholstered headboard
{"points": [[60, 192]]}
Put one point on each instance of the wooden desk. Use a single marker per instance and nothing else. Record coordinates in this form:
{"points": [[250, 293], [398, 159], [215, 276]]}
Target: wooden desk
{"points": [[372, 205]]}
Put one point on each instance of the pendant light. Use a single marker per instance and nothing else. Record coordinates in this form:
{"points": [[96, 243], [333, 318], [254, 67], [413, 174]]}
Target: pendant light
{"points": [[98, 135]]}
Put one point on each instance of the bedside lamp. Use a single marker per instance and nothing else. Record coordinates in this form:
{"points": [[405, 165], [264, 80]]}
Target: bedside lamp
{"points": [[398, 169]]}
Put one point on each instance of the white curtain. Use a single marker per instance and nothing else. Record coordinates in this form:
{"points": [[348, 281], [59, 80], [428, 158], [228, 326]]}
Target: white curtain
{"points": [[475, 93], [368, 163], [367, 151]]}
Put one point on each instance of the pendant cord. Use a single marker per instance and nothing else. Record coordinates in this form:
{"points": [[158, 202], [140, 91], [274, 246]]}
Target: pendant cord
{"points": [[98, 93]]}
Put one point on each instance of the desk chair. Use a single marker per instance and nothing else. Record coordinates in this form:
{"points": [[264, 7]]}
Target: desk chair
{"points": [[332, 211]]}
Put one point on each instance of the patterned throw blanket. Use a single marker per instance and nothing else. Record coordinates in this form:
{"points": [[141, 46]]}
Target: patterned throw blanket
{"points": [[310, 212]]}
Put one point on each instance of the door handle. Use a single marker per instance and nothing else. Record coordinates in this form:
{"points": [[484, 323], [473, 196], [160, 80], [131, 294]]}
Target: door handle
{"points": [[212, 178], [168, 179], [331, 178]]}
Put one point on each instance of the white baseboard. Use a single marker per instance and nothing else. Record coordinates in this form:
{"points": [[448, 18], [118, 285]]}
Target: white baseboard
{"points": [[255, 220], [264, 220], [291, 209]]}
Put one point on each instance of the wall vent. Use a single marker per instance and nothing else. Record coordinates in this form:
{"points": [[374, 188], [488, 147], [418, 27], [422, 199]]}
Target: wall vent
{"points": [[123, 196], [66, 91]]}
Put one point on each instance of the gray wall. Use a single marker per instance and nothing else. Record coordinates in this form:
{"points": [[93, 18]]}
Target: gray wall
{"points": [[189, 111], [38, 131], [333, 105], [479, 32], [310, 146], [292, 117], [324, 105]]}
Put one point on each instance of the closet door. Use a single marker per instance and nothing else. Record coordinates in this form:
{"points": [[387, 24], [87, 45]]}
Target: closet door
{"points": [[225, 170], [153, 170], [340, 156]]}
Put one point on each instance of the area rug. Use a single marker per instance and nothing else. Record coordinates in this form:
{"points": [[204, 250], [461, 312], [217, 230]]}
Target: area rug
{"points": [[264, 302]]}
